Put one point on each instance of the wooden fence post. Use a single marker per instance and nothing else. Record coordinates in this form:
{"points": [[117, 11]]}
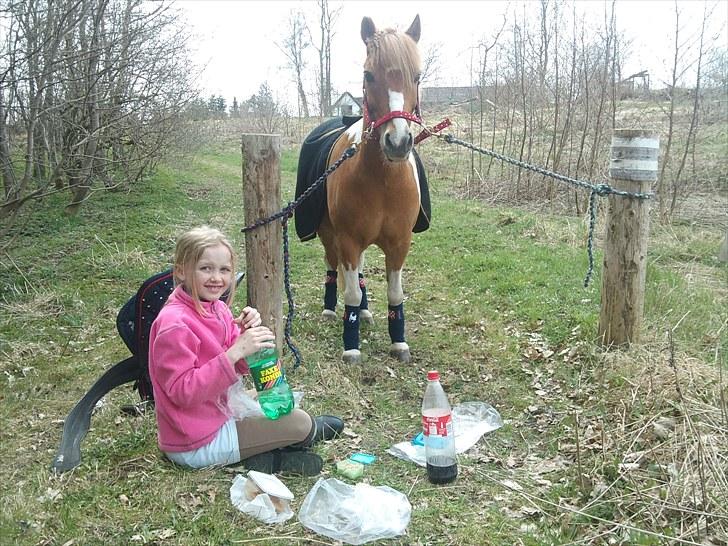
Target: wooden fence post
{"points": [[263, 246], [633, 168]]}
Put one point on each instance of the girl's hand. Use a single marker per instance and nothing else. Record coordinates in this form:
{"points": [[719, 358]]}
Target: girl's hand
{"points": [[251, 341], [249, 318]]}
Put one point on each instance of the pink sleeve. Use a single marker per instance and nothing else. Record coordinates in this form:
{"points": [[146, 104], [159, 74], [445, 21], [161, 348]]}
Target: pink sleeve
{"points": [[186, 381]]}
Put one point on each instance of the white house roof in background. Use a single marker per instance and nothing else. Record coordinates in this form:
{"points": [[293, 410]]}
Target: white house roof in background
{"points": [[347, 98]]}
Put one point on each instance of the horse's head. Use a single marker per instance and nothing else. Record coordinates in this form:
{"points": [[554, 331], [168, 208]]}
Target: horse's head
{"points": [[391, 80]]}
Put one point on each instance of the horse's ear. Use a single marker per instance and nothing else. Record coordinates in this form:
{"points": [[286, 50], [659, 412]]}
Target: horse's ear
{"points": [[367, 29], [414, 30]]}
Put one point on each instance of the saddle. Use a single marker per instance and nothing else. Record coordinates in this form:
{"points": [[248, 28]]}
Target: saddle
{"points": [[134, 322], [315, 158]]}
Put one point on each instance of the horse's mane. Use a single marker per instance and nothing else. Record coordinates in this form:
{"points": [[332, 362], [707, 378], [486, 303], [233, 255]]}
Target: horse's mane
{"points": [[392, 49]]}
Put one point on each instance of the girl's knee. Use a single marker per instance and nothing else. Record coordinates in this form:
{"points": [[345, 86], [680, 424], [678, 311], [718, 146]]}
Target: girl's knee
{"points": [[301, 422]]}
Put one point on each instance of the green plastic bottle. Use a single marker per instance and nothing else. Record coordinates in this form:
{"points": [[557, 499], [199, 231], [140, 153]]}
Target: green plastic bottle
{"points": [[274, 393]]}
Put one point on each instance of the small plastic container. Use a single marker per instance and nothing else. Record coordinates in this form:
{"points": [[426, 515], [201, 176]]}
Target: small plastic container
{"points": [[259, 482], [351, 469], [363, 458]]}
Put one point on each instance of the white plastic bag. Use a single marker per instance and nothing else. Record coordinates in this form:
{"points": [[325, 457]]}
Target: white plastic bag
{"points": [[261, 507], [470, 420], [355, 514], [238, 404]]}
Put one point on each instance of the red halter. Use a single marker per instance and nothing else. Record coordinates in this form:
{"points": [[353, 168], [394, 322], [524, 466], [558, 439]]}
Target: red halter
{"points": [[370, 126]]}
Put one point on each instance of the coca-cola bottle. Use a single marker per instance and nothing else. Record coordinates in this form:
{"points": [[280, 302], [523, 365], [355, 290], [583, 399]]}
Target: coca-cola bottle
{"points": [[437, 428]]}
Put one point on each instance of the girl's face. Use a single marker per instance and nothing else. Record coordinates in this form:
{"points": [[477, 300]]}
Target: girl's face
{"points": [[212, 274]]}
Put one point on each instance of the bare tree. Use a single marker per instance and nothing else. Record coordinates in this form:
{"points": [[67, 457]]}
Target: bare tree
{"points": [[96, 87], [431, 63], [265, 110], [327, 20], [294, 46], [675, 73], [691, 136]]}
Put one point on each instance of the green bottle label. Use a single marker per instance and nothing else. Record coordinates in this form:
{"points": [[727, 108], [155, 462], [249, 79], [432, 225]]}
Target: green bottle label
{"points": [[267, 374]]}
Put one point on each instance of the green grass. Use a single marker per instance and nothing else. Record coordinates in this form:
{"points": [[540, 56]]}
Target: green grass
{"points": [[491, 292]]}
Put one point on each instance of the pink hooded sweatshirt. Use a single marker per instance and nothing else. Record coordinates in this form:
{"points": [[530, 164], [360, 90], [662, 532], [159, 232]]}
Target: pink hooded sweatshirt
{"points": [[190, 371]]}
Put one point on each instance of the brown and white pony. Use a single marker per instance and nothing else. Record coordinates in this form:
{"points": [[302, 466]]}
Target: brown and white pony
{"points": [[373, 197]]}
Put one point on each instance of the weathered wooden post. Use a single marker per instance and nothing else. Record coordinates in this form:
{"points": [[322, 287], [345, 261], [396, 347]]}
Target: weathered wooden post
{"points": [[633, 168], [263, 245]]}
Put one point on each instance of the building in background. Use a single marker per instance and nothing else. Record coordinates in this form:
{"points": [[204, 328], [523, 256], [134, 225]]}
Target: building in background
{"points": [[347, 105]]}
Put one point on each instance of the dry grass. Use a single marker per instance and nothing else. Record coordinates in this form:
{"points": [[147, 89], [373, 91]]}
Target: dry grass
{"points": [[670, 430], [650, 442]]}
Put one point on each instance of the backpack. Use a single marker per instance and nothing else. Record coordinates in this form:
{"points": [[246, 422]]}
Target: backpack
{"points": [[134, 322]]}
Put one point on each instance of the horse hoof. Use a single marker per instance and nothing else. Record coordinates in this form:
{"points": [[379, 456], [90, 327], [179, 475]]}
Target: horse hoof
{"points": [[328, 314], [400, 351], [365, 315], [352, 356]]}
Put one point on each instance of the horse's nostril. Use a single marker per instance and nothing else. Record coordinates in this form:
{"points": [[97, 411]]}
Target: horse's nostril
{"points": [[388, 141], [409, 140]]}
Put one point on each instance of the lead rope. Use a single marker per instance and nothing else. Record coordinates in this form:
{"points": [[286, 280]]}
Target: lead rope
{"points": [[284, 214]]}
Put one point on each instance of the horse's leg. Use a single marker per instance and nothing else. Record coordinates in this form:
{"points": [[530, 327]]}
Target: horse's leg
{"points": [[329, 311], [330, 295], [352, 301], [395, 315], [364, 314]]}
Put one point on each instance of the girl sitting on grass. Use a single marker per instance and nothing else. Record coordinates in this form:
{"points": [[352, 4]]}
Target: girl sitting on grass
{"points": [[196, 349]]}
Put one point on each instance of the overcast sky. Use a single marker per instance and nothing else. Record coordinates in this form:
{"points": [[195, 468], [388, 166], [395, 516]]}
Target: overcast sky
{"points": [[236, 39]]}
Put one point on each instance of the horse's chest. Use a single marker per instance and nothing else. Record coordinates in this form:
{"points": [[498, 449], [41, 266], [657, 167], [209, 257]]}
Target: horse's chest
{"points": [[372, 197]]}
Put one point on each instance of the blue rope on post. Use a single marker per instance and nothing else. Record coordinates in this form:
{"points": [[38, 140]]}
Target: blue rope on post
{"points": [[594, 190], [590, 239], [289, 295]]}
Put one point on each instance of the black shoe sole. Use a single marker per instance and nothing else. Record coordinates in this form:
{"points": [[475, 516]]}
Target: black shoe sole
{"points": [[302, 463]]}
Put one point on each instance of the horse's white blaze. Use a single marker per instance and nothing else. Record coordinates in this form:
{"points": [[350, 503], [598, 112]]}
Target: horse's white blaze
{"points": [[396, 103], [352, 292], [354, 132], [395, 294]]}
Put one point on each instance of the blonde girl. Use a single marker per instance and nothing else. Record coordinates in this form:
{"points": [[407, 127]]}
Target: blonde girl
{"points": [[196, 351]]}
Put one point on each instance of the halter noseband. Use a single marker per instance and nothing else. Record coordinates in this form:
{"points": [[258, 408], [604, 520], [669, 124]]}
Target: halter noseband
{"points": [[370, 126]]}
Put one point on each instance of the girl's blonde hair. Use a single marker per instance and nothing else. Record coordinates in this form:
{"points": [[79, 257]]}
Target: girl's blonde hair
{"points": [[189, 249]]}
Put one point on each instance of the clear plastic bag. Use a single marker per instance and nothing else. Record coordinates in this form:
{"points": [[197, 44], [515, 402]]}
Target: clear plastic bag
{"points": [[470, 421], [355, 514], [239, 404]]}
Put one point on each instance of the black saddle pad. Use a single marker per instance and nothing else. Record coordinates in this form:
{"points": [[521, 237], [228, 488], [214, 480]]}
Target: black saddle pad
{"points": [[314, 159]]}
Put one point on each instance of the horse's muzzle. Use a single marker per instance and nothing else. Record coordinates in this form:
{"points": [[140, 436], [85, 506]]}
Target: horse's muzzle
{"points": [[396, 151]]}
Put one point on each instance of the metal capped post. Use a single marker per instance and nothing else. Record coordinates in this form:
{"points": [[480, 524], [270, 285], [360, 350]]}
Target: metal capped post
{"points": [[261, 198], [633, 169]]}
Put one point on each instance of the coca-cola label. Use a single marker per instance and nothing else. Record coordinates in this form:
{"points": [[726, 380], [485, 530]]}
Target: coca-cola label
{"points": [[437, 425]]}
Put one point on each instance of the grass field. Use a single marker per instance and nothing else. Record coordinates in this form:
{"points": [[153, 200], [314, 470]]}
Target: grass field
{"points": [[625, 447]]}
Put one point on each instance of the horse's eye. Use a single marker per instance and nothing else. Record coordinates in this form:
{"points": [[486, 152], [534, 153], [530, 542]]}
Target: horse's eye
{"points": [[368, 77], [417, 78]]}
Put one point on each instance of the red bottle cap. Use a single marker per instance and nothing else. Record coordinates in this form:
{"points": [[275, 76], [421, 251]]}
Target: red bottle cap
{"points": [[433, 375]]}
